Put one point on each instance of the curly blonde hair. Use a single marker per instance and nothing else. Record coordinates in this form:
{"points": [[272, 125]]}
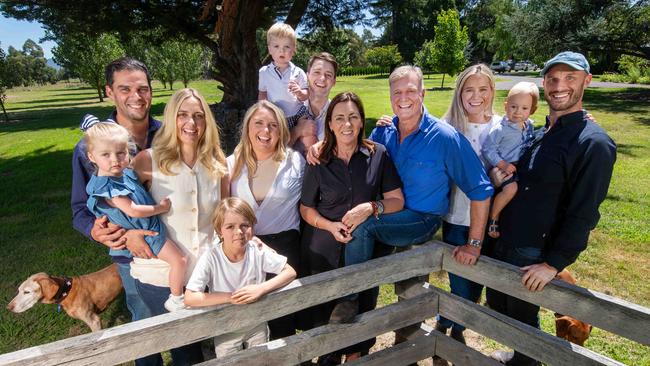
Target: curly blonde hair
{"points": [[167, 149], [244, 154]]}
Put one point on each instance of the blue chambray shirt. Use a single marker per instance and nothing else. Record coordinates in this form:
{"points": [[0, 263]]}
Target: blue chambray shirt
{"points": [[506, 141], [429, 160]]}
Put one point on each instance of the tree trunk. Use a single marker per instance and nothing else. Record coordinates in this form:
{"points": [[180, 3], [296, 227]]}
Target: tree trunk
{"points": [[237, 61], [4, 111], [443, 82], [99, 93]]}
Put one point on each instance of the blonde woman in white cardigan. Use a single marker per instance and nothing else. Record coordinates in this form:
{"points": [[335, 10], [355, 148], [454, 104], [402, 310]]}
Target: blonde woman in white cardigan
{"points": [[185, 164]]}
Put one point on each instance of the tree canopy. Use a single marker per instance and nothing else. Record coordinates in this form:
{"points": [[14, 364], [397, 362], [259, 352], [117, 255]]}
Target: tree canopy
{"points": [[27, 66], [409, 23], [384, 56], [227, 28], [541, 28]]}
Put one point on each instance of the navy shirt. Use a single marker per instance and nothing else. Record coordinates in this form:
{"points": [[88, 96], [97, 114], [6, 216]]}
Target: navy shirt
{"points": [[429, 160], [82, 170], [563, 178]]}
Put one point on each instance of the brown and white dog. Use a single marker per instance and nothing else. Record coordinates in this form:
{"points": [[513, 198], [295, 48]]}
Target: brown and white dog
{"points": [[566, 327], [82, 297]]}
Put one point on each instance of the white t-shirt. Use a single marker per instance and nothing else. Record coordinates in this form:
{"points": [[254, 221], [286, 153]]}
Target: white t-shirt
{"points": [[476, 134], [276, 86], [279, 210], [217, 272]]}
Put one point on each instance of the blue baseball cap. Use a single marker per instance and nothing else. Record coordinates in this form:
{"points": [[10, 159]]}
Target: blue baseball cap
{"points": [[574, 59]]}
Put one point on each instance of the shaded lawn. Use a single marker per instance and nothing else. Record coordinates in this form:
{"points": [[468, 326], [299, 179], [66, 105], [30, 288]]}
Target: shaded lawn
{"points": [[35, 219]]}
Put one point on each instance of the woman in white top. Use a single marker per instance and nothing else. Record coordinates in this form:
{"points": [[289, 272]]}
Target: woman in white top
{"points": [[187, 165], [471, 113], [267, 174]]}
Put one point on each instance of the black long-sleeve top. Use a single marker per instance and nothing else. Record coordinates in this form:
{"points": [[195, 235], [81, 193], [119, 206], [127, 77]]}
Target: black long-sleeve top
{"points": [[563, 178]]}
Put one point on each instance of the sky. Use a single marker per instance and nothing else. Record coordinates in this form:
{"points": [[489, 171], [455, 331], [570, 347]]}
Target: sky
{"points": [[15, 32]]}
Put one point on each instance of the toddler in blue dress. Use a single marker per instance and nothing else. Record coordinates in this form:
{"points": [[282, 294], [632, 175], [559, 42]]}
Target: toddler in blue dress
{"points": [[114, 191], [507, 141]]}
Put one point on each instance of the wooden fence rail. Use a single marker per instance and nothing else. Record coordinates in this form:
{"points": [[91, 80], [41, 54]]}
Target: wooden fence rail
{"points": [[419, 301]]}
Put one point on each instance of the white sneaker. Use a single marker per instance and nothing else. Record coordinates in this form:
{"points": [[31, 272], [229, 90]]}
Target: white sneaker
{"points": [[502, 356], [174, 303]]}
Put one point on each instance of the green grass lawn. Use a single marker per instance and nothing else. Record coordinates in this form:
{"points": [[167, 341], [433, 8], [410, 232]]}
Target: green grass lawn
{"points": [[35, 217]]}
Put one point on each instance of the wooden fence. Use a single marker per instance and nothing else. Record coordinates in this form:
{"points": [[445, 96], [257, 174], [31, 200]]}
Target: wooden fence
{"points": [[418, 301]]}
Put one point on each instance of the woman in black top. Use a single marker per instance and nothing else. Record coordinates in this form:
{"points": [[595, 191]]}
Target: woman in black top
{"points": [[355, 180]]}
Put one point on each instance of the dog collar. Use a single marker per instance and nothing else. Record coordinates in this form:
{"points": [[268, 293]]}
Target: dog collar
{"points": [[65, 284]]}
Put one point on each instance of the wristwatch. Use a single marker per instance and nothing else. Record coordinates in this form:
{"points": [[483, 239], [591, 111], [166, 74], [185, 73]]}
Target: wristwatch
{"points": [[377, 208], [474, 243]]}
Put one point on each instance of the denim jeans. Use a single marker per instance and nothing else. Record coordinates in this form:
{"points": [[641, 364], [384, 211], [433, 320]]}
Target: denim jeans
{"points": [[397, 229], [457, 235], [286, 243], [511, 306], [137, 308], [154, 297]]}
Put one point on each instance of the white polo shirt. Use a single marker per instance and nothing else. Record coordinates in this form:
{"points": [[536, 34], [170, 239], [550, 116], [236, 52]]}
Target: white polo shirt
{"points": [[276, 86], [279, 211]]}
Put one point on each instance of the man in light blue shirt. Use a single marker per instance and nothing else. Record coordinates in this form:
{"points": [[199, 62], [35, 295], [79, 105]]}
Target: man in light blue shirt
{"points": [[429, 155]]}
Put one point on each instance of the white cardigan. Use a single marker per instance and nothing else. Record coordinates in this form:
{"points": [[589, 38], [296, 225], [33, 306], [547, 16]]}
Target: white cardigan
{"points": [[194, 194]]}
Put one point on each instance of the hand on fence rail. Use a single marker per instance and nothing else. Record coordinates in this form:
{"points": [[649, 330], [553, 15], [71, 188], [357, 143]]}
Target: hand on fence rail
{"points": [[466, 254], [537, 276]]}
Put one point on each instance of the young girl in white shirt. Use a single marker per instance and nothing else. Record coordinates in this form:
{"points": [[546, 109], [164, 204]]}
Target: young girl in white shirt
{"points": [[234, 270]]}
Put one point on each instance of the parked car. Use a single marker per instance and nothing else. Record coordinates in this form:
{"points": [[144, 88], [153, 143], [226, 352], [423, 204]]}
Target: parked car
{"points": [[500, 66], [525, 66]]}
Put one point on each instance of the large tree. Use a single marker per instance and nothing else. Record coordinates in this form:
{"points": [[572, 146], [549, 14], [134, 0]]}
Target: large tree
{"points": [[448, 46], [86, 56], [228, 28], [409, 23], [28, 66], [344, 44], [446, 53], [497, 37], [544, 27], [385, 57]]}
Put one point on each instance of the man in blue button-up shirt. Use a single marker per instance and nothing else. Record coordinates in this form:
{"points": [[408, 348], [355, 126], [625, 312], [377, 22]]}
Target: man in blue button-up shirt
{"points": [[429, 155]]}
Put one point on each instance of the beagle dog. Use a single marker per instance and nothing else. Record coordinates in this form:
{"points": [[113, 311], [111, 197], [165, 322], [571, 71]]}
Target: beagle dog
{"points": [[566, 327], [82, 297]]}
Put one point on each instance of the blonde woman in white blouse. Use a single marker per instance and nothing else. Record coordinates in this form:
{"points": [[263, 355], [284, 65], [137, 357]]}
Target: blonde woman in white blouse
{"points": [[471, 113], [267, 174], [187, 165]]}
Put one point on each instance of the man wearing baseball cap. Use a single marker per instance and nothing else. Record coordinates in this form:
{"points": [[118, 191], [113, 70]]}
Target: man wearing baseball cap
{"points": [[563, 178]]}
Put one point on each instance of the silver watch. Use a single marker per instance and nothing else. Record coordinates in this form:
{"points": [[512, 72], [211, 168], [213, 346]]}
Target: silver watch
{"points": [[474, 243]]}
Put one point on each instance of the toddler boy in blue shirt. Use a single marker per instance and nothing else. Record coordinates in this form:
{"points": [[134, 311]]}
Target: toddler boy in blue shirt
{"points": [[507, 141]]}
